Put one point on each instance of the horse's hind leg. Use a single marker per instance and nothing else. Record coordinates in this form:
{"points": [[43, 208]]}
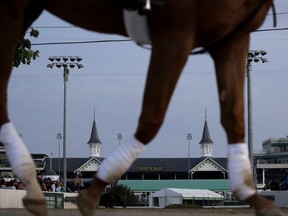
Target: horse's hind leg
{"points": [[230, 61], [11, 24]]}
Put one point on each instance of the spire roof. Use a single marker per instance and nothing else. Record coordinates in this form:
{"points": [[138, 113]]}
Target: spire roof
{"points": [[206, 139], [94, 134]]}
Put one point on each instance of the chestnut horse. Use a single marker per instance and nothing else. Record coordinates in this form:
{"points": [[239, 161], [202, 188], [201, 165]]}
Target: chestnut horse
{"points": [[222, 27]]}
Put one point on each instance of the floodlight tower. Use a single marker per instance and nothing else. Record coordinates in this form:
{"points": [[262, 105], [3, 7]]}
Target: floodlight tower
{"points": [[65, 62], [59, 138], [253, 56], [189, 138], [119, 138]]}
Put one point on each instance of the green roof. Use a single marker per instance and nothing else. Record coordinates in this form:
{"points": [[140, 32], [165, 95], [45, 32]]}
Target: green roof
{"points": [[156, 185]]}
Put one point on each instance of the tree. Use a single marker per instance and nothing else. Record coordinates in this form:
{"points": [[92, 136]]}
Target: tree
{"points": [[125, 194], [24, 54]]}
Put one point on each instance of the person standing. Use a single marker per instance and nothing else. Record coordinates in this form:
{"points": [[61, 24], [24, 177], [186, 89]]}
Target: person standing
{"points": [[74, 187], [3, 184]]}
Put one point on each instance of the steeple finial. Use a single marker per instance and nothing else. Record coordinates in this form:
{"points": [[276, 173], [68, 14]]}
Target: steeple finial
{"points": [[205, 112], [94, 113]]}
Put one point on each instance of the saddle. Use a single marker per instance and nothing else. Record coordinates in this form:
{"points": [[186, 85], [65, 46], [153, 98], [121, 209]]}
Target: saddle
{"points": [[142, 6]]}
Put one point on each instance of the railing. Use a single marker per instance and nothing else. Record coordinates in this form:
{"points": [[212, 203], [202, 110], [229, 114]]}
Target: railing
{"points": [[272, 161]]}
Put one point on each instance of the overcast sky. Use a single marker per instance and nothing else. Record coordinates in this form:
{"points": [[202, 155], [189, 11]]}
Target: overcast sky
{"points": [[112, 81]]}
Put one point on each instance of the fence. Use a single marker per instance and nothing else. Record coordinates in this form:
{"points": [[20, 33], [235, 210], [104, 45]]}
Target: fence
{"points": [[13, 199], [54, 200]]}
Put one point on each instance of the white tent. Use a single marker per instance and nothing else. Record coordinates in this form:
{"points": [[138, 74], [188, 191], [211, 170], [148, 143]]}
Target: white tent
{"points": [[170, 196]]}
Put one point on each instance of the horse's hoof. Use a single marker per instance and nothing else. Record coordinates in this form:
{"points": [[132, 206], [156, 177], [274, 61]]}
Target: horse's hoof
{"points": [[85, 206], [36, 206], [272, 212]]}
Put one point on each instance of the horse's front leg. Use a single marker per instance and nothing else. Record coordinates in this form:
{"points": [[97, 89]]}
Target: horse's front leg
{"points": [[230, 60], [11, 23], [165, 67]]}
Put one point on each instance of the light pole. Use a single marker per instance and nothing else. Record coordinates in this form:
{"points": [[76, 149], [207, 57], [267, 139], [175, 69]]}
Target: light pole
{"points": [[51, 161], [66, 62], [189, 138], [256, 56], [119, 138], [59, 138]]}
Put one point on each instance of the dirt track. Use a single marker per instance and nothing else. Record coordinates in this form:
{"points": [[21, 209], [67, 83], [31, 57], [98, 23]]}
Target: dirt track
{"points": [[140, 212]]}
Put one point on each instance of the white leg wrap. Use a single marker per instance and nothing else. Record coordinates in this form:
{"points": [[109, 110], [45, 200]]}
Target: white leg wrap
{"points": [[240, 172], [19, 157], [115, 165]]}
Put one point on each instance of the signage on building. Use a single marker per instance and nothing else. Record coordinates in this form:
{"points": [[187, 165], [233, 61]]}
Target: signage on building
{"points": [[150, 168]]}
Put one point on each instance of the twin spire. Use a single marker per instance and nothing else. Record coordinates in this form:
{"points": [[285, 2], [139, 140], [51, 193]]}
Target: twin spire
{"points": [[94, 141], [206, 142]]}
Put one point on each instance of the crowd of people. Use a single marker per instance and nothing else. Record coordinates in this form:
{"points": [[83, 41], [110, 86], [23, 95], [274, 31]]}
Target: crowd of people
{"points": [[46, 184], [13, 184]]}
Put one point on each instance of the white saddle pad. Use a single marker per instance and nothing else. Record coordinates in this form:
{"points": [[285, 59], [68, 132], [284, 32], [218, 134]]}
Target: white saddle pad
{"points": [[137, 27]]}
